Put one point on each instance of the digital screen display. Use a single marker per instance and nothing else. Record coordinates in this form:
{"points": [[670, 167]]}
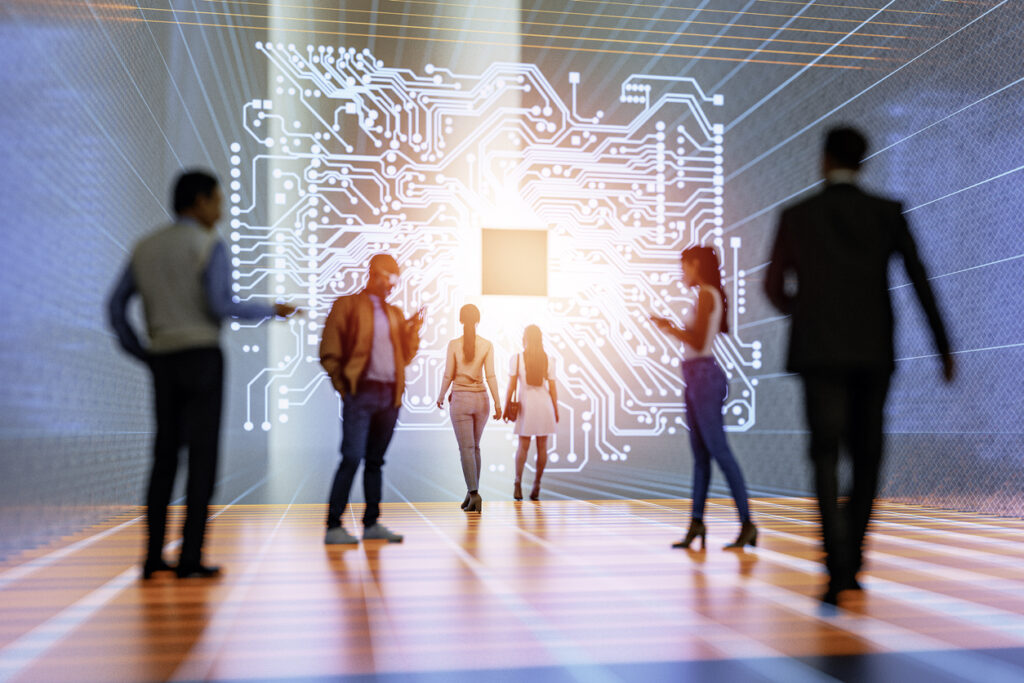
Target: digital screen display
{"points": [[621, 132]]}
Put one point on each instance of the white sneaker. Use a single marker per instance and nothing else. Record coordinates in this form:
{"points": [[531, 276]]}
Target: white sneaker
{"points": [[380, 532], [338, 536]]}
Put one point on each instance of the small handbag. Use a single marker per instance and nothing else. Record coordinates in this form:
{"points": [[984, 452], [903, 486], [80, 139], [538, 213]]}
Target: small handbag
{"points": [[513, 407]]}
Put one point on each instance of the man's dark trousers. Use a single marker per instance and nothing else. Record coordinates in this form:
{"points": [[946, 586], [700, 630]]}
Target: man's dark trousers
{"points": [[188, 386], [368, 422], [845, 408]]}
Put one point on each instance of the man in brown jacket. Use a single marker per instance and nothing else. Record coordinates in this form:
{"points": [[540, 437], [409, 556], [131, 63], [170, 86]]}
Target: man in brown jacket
{"points": [[365, 347]]}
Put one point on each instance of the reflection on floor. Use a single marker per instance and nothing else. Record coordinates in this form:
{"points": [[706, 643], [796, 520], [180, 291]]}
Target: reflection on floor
{"points": [[556, 590]]}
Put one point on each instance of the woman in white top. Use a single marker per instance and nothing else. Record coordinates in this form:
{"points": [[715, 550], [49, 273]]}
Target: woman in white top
{"points": [[470, 361], [538, 411], [706, 388]]}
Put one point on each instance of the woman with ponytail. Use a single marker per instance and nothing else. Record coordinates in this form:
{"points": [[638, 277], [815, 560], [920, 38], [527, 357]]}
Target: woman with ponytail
{"points": [[706, 387], [470, 362], [538, 405]]}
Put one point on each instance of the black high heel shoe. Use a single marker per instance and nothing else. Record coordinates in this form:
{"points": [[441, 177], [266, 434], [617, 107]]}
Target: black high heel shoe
{"points": [[476, 503], [517, 491], [465, 503], [748, 536], [696, 529]]}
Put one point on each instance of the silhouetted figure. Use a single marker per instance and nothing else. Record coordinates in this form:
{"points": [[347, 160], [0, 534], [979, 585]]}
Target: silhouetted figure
{"points": [[181, 271], [830, 272], [706, 388], [470, 360], [366, 345], [538, 405]]}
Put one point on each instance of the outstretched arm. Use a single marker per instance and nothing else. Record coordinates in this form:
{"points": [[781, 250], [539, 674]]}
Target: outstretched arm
{"points": [[219, 297]]}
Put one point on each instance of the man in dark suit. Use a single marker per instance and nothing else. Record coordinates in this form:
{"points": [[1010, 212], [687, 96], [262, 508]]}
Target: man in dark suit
{"points": [[829, 271]]}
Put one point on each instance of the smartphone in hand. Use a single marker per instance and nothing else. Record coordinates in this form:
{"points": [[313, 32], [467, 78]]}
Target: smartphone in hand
{"points": [[417, 319], [661, 323]]}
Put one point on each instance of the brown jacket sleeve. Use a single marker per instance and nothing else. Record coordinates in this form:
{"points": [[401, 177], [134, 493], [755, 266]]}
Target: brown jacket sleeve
{"points": [[332, 352], [410, 342]]}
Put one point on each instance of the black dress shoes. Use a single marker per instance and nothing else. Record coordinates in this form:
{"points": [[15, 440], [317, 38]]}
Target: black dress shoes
{"points": [[831, 596], [150, 568], [199, 571]]}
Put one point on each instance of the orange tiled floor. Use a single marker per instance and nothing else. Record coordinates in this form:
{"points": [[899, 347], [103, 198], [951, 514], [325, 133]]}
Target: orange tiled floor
{"points": [[553, 584]]}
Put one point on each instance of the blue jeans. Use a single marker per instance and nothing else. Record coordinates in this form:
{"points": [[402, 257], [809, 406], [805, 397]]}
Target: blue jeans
{"points": [[469, 411], [706, 387], [367, 424]]}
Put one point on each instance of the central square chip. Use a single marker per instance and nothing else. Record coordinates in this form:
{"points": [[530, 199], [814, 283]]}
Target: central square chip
{"points": [[515, 262]]}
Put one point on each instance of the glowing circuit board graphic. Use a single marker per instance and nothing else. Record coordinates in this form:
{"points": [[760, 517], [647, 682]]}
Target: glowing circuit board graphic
{"points": [[354, 157]]}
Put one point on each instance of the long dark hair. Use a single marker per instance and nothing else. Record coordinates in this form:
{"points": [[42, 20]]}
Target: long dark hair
{"points": [[710, 272], [534, 356], [469, 316]]}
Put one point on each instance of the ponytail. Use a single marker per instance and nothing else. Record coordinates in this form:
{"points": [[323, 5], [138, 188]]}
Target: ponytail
{"points": [[468, 341], [469, 316], [535, 357]]}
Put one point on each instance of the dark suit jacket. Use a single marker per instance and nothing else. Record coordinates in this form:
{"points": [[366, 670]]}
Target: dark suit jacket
{"points": [[837, 245]]}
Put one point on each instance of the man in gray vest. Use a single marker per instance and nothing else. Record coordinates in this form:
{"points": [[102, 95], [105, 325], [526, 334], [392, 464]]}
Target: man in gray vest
{"points": [[182, 273]]}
